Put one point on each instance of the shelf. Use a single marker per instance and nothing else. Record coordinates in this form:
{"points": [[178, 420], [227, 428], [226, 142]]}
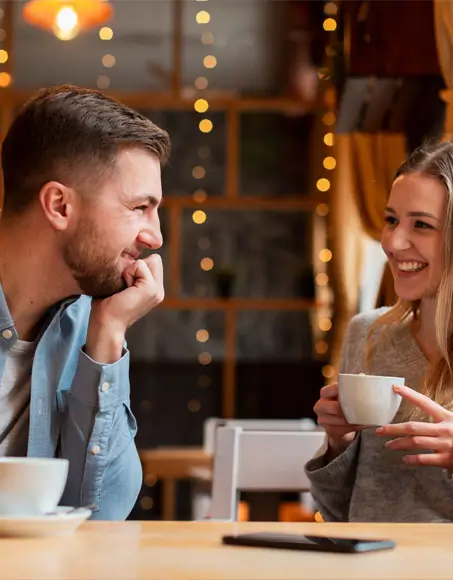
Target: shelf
{"points": [[236, 304]]}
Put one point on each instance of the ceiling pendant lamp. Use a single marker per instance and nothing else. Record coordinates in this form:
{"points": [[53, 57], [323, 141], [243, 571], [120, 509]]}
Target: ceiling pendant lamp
{"points": [[66, 18]]}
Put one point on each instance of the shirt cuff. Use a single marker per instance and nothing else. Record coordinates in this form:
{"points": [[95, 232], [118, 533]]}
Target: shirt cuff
{"points": [[99, 385]]}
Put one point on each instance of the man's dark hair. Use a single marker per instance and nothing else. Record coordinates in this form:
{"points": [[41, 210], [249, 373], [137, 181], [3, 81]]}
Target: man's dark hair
{"points": [[71, 135]]}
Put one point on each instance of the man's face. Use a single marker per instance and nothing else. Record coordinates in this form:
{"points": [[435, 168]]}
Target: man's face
{"points": [[116, 224]]}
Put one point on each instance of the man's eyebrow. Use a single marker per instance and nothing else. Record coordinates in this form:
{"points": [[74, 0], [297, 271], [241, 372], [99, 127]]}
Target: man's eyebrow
{"points": [[151, 199]]}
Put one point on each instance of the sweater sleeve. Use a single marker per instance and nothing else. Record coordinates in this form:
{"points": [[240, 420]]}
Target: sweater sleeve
{"points": [[332, 483]]}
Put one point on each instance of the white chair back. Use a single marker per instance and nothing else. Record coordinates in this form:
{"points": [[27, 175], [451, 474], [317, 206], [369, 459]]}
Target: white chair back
{"points": [[259, 461], [213, 423]]}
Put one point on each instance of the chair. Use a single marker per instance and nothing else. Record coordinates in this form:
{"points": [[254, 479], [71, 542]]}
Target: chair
{"points": [[259, 461], [201, 489]]}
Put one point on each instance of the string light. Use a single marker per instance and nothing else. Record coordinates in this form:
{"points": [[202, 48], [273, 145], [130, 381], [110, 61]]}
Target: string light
{"points": [[106, 33], [205, 125], [203, 17], [325, 324], [199, 217], [3, 56], [207, 264], [323, 184], [321, 347], [194, 406], [108, 60], [201, 105], [202, 335], [325, 255], [205, 358], [329, 118], [5, 79], [328, 371], [103, 82], [322, 209], [329, 24], [201, 83], [207, 38], [322, 279], [200, 196], [198, 172], [329, 139], [329, 163], [209, 61]]}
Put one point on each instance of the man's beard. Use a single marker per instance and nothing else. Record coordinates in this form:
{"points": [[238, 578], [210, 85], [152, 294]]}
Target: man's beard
{"points": [[96, 274]]}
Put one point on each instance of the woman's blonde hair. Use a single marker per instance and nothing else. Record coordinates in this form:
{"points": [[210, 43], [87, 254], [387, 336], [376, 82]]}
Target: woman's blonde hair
{"points": [[435, 160]]}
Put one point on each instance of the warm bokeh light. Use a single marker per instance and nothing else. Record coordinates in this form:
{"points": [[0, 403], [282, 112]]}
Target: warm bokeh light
{"points": [[103, 82], [322, 209], [325, 324], [5, 80], [330, 9], [207, 264], [203, 17], [199, 217], [200, 195], [201, 83], [329, 24], [321, 347], [108, 60], [106, 33], [146, 502], [205, 126], [325, 255], [198, 172], [202, 335], [329, 118], [209, 61], [194, 406], [329, 163], [201, 105], [204, 358], [328, 371], [323, 184], [322, 279], [3, 56], [66, 25], [329, 139]]}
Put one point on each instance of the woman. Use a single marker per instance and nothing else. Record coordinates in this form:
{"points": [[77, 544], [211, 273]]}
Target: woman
{"points": [[401, 472]]}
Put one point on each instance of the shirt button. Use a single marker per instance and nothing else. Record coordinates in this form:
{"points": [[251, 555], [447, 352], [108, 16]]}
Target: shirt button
{"points": [[105, 387], [95, 450], [7, 334]]}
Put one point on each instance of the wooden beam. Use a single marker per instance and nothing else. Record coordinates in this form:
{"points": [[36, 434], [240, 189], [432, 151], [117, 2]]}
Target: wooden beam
{"points": [[174, 249], [176, 76], [299, 203], [149, 100], [233, 166], [229, 366], [236, 304]]}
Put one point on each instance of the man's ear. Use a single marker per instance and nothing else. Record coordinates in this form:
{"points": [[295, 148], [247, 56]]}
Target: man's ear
{"points": [[57, 202]]}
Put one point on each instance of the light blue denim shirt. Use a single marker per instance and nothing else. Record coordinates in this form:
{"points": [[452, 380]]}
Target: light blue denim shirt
{"points": [[80, 410]]}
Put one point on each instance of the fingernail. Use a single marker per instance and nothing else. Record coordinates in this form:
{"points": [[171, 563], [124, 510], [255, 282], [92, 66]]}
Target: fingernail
{"points": [[380, 430], [396, 387]]}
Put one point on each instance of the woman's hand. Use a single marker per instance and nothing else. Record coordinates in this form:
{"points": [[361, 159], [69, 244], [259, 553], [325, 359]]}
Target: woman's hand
{"points": [[436, 437], [330, 416]]}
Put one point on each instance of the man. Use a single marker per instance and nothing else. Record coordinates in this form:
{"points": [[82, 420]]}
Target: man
{"points": [[82, 188]]}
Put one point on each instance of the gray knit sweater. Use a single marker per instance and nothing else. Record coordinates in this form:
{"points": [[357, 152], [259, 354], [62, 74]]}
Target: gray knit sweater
{"points": [[368, 482]]}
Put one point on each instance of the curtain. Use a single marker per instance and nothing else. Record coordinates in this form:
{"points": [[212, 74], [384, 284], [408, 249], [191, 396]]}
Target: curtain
{"points": [[443, 20], [366, 165]]}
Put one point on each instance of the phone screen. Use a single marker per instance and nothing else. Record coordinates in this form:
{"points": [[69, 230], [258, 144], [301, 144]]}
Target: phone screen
{"points": [[301, 542]]}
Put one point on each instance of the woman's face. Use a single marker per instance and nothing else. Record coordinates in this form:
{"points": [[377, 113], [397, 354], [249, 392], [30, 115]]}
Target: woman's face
{"points": [[413, 237]]}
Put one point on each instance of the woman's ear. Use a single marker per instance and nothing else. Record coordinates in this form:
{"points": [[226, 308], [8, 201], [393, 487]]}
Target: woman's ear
{"points": [[57, 202]]}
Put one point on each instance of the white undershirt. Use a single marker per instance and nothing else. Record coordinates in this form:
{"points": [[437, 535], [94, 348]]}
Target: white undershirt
{"points": [[15, 399]]}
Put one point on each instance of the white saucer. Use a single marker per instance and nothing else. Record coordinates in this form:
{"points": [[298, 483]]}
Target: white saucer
{"points": [[62, 522]]}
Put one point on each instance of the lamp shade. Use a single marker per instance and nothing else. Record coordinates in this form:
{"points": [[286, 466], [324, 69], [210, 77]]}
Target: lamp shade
{"points": [[46, 13]]}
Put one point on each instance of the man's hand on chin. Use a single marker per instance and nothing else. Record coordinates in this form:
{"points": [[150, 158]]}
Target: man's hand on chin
{"points": [[111, 317]]}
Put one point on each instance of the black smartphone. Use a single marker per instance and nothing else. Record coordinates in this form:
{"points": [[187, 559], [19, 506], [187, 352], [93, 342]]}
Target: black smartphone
{"points": [[300, 542]]}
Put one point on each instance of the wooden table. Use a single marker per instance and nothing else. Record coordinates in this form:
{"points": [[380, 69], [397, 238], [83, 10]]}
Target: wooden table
{"points": [[170, 464], [193, 550]]}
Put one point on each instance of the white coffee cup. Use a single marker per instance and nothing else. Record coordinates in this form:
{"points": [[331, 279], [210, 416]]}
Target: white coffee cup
{"points": [[31, 486], [368, 399]]}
